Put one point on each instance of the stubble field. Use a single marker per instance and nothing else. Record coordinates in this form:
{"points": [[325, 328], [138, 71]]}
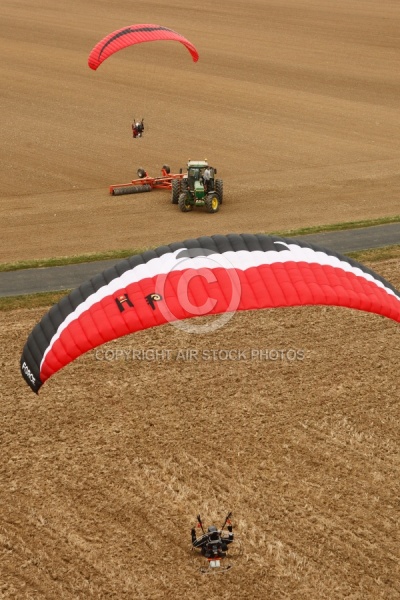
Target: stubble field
{"points": [[102, 475]]}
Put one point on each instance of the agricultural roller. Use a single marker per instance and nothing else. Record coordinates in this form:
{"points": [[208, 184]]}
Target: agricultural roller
{"points": [[144, 183]]}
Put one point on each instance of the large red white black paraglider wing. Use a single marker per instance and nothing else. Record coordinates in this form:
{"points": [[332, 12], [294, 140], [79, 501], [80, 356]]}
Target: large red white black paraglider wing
{"points": [[197, 277], [135, 34]]}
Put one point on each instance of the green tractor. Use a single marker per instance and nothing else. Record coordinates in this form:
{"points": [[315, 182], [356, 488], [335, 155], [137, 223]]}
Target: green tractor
{"points": [[192, 190]]}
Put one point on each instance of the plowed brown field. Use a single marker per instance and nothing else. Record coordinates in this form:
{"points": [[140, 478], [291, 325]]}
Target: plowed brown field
{"points": [[289, 418]]}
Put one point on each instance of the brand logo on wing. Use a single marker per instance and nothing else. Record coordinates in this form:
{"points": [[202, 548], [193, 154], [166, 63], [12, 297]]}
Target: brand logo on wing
{"points": [[28, 373]]}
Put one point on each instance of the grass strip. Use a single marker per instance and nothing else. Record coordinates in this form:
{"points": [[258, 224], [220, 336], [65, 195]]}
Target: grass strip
{"points": [[42, 299], [120, 254], [69, 260], [338, 226]]}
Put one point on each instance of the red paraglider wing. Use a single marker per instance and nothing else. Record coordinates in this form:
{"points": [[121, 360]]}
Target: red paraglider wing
{"points": [[135, 34], [205, 276]]}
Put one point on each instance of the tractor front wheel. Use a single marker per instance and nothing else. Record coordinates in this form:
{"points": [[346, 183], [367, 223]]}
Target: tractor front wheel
{"points": [[176, 190], [212, 202], [184, 205]]}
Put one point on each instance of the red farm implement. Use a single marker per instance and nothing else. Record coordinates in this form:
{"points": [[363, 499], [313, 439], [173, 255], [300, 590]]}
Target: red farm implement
{"points": [[144, 183]]}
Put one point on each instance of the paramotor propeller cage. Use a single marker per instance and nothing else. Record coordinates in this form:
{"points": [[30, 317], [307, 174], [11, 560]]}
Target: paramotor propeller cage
{"points": [[217, 565]]}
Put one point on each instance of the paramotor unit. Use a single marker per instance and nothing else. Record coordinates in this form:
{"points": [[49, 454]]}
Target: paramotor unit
{"points": [[135, 34], [215, 550], [137, 128]]}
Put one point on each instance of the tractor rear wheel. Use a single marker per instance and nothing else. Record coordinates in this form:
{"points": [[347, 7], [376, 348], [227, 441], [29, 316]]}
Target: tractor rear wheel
{"points": [[176, 190], [212, 202], [184, 204], [219, 188]]}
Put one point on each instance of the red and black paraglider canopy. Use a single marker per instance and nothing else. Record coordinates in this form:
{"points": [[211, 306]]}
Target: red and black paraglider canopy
{"points": [[197, 277], [135, 34]]}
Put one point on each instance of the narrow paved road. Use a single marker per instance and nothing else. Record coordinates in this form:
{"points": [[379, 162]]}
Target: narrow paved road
{"points": [[52, 279]]}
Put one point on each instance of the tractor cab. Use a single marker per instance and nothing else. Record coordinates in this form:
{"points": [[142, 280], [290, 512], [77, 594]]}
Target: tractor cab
{"points": [[195, 181]]}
